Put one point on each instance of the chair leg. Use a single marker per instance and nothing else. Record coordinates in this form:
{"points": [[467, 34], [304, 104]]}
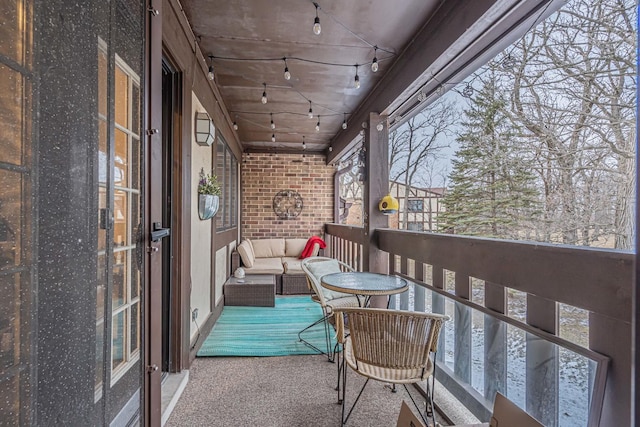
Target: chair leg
{"points": [[336, 353], [424, 415], [431, 403], [344, 390], [327, 337]]}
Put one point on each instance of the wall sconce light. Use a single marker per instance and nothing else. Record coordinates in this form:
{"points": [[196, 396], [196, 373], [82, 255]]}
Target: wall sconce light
{"points": [[388, 205], [205, 130]]}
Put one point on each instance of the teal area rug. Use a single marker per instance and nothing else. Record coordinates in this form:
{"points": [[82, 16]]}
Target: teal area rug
{"points": [[267, 331]]}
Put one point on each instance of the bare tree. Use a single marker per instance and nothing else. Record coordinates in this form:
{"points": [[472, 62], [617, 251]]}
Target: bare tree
{"points": [[573, 94], [415, 147]]}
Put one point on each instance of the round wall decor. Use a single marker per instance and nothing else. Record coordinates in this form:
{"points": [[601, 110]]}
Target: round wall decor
{"points": [[287, 204]]}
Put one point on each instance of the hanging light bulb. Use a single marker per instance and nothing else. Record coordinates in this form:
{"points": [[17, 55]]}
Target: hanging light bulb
{"points": [[508, 62], [374, 63], [310, 111], [318, 125], [304, 145], [468, 91], [264, 94], [235, 126], [317, 29], [330, 148], [210, 74], [356, 80], [273, 137], [273, 125], [287, 74], [344, 121]]}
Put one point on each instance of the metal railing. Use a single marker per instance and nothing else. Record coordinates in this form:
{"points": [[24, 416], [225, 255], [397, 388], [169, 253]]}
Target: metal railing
{"points": [[444, 267]]}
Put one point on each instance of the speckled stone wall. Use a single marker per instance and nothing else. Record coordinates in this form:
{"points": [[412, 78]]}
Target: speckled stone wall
{"points": [[65, 338]]}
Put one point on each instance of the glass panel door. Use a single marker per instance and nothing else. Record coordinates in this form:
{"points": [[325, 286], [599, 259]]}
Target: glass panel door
{"points": [[118, 362]]}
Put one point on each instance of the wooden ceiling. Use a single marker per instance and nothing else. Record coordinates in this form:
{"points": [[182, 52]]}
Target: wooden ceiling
{"points": [[249, 38]]}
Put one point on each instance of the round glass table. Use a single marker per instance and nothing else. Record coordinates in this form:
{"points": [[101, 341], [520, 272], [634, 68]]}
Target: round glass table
{"points": [[364, 284]]}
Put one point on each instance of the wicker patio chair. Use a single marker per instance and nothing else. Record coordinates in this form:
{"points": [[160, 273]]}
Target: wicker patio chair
{"points": [[315, 268], [392, 346]]}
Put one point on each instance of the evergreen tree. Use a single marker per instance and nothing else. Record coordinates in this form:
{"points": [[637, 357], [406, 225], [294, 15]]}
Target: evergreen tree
{"points": [[492, 194]]}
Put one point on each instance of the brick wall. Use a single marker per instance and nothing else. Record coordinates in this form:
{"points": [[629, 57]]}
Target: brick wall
{"points": [[263, 175]]}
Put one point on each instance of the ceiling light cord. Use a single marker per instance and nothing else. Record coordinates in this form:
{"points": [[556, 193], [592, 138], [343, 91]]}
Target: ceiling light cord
{"points": [[287, 74], [349, 30], [273, 125], [356, 80], [310, 110], [264, 94], [210, 74], [318, 124], [374, 62], [344, 122], [317, 29]]}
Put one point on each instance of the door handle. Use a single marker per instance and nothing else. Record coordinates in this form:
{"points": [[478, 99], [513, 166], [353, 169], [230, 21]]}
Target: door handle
{"points": [[159, 233]]}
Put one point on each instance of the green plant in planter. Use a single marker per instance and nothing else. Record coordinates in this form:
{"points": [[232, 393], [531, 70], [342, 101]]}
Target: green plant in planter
{"points": [[209, 184]]}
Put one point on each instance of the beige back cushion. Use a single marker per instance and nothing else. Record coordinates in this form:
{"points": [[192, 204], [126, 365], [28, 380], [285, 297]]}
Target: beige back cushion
{"points": [[294, 247], [246, 254], [253, 253], [316, 249], [268, 248]]}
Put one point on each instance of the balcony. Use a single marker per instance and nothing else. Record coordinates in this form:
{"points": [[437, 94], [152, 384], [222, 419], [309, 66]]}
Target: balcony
{"points": [[112, 279], [495, 342]]}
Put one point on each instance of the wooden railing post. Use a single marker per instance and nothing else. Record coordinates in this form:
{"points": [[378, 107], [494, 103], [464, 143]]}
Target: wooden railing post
{"points": [[495, 341], [376, 186]]}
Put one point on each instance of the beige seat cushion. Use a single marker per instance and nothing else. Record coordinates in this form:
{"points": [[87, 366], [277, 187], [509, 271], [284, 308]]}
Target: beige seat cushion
{"points": [[268, 248], [294, 247], [246, 254], [292, 265], [266, 266]]}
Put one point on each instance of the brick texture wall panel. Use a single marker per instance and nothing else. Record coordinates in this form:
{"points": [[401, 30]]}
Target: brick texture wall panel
{"points": [[263, 175]]}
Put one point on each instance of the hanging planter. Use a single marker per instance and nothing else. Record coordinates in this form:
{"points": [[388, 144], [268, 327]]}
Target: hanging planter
{"points": [[208, 195], [208, 205]]}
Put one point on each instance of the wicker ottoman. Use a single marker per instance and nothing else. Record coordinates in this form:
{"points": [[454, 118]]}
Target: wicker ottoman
{"points": [[257, 290], [295, 284]]}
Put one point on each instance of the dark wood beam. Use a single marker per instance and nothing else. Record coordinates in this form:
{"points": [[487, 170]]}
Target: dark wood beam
{"points": [[448, 24]]}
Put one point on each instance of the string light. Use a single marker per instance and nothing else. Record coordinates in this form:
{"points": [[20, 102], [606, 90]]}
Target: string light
{"points": [[317, 29], [273, 137], [310, 111], [235, 125], [330, 148], [210, 74], [318, 125], [273, 125], [356, 80], [304, 145], [374, 63], [287, 74], [344, 121], [264, 94], [508, 62], [468, 91]]}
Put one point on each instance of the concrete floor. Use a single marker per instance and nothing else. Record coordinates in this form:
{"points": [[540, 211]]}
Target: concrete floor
{"points": [[280, 391]]}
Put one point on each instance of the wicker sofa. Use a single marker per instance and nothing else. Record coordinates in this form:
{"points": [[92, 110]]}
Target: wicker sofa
{"points": [[279, 257]]}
